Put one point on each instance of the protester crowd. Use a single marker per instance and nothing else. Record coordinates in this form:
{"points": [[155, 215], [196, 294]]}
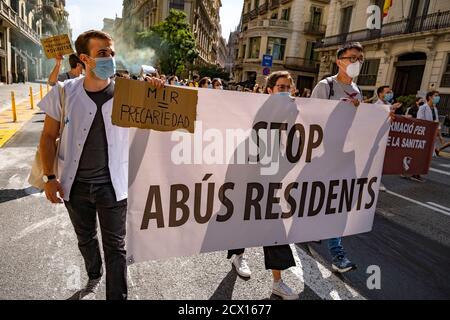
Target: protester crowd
{"points": [[92, 179]]}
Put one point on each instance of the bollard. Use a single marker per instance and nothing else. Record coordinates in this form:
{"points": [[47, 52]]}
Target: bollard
{"points": [[13, 106], [40, 91], [31, 98]]}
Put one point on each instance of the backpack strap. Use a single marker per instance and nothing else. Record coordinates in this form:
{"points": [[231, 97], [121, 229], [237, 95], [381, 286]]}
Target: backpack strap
{"points": [[331, 85]]}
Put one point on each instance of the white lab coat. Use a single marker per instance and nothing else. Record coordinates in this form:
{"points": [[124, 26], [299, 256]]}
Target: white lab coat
{"points": [[426, 113], [79, 114]]}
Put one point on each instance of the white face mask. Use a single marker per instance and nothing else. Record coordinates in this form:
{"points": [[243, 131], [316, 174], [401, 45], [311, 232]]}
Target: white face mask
{"points": [[354, 69]]}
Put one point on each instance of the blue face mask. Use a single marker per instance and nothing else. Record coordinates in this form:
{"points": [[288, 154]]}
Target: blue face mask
{"points": [[436, 100], [388, 97], [285, 94], [105, 68]]}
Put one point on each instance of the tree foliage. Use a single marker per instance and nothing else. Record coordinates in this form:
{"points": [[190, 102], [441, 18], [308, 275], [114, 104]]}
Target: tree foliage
{"points": [[173, 42]]}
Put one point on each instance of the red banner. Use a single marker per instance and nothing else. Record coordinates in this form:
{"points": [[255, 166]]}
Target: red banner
{"points": [[410, 146]]}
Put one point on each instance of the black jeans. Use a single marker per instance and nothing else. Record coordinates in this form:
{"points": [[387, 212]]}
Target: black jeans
{"points": [[86, 200]]}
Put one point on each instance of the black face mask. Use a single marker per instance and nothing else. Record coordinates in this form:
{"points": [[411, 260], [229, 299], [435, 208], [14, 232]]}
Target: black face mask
{"points": [[421, 104]]}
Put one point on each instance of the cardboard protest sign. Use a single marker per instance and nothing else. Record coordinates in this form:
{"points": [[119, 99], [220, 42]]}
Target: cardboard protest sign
{"points": [[259, 170], [137, 104], [410, 146], [58, 45]]}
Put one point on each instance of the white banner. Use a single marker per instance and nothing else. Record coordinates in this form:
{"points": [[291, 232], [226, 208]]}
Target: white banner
{"points": [[259, 170]]}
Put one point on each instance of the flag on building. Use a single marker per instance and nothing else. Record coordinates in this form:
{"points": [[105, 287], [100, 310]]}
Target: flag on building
{"points": [[387, 6]]}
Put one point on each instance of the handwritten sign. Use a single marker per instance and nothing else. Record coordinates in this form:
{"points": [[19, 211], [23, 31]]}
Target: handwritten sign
{"points": [[137, 104], [58, 45]]}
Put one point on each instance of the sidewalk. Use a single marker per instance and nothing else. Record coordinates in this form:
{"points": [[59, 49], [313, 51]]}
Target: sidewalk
{"points": [[23, 108], [21, 90]]}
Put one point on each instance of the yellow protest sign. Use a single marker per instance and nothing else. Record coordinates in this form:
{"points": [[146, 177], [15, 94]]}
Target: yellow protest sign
{"points": [[139, 105], [58, 45]]}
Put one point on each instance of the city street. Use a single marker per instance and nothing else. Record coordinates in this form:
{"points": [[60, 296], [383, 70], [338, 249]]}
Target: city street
{"points": [[410, 243], [254, 123]]}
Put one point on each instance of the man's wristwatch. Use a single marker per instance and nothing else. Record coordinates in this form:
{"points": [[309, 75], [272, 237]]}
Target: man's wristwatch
{"points": [[48, 178]]}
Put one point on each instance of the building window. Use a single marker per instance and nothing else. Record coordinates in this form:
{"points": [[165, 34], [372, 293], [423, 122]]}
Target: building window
{"points": [[256, 4], [286, 14], [346, 17], [310, 53], [369, 73], [334, 69], [255, 45], [244, 48], [316, 16], [445, 81], [274, 16], [276, 47], [23, 11], [176, 4], [367, 94]]}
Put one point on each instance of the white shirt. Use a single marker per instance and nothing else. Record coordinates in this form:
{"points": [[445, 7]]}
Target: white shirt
{"points": [[426, 113], [80, 111], [379, 101]]}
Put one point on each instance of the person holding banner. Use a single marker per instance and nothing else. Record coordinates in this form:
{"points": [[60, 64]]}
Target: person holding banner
{"points": [[386, 96], [76, 70], [429, 112], [92, 177], [349, 59], [277, 258]]}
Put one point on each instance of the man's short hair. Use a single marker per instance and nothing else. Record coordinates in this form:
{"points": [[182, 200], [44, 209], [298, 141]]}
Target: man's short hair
{"points": [[82, 43], [349, 46], [430, 94], [74, 60], [380, 90]]}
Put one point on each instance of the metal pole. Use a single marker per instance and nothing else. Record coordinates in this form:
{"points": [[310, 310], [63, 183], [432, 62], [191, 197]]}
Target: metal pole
{"points": [[13, 105], [31, 98]]}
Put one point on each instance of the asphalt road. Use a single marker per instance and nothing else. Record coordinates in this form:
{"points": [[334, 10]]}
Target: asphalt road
{"points": [[410, 243]]}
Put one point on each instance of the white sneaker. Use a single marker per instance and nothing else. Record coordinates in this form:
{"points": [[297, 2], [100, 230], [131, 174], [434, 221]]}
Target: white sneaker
{"points": [[382, 188], [241, 266], [88, 292], [283, 291]]}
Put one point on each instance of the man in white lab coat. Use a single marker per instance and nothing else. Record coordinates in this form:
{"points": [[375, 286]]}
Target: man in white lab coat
{"points": [[92, 175], [429, 112]]}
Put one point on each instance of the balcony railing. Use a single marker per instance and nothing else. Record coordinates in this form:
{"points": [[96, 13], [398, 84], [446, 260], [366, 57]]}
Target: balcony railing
{"points": [[301, 64], [269, 23], [434, 21], [12, 16], [253, 14], [314, 28], [279, 23], [245, 18], [285, 1], [263, 8]]}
